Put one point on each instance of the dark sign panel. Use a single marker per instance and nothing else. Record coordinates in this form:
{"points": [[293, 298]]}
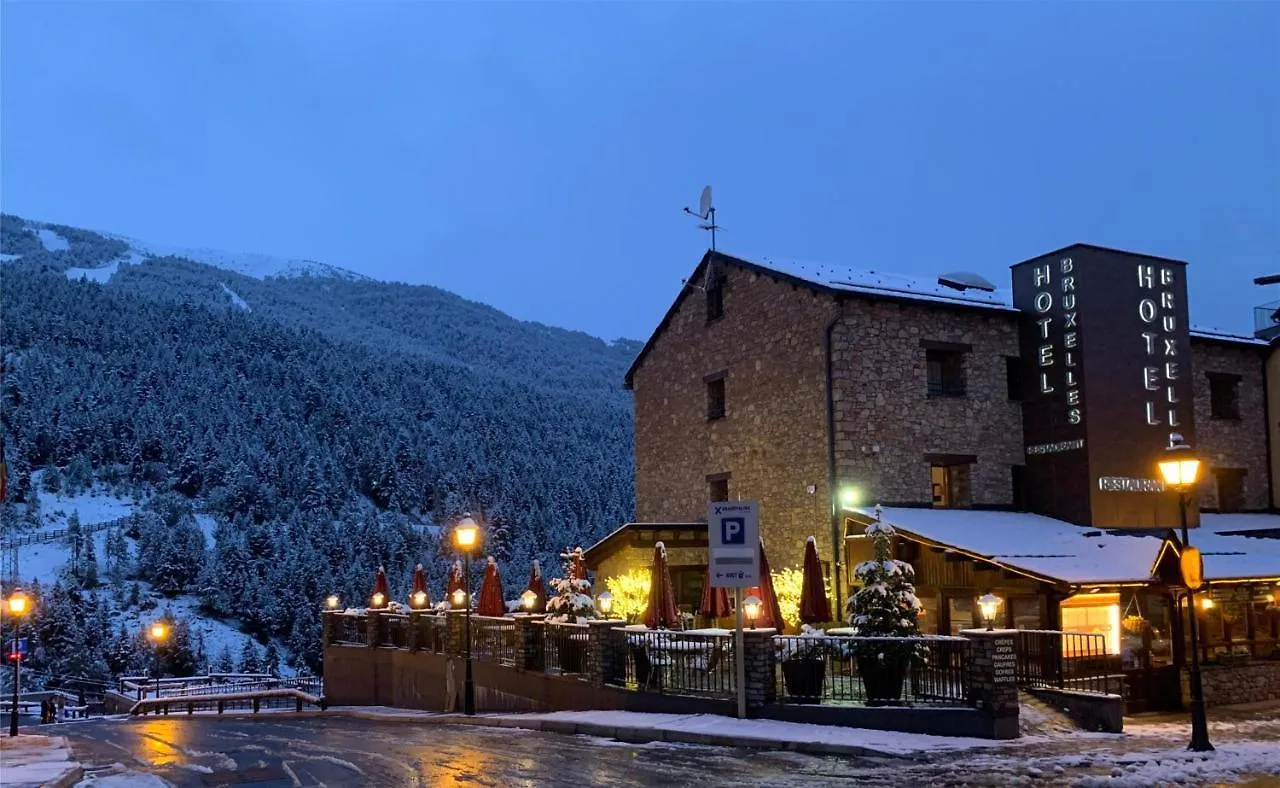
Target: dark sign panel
{"points": [[1107, 351]]}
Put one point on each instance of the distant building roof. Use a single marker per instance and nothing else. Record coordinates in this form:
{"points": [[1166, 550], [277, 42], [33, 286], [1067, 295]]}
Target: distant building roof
{"points": [[1238, 546], [623, 535]]}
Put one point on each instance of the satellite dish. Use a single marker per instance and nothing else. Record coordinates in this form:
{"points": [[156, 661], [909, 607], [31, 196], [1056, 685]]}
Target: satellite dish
{"points": [[707, 213], [966, 280], [704, 203]]}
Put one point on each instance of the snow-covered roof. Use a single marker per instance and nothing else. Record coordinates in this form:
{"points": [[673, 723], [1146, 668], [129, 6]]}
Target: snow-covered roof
{"points": [[1205, 332], [1040, 545], [1238, 546], [870, 282]]}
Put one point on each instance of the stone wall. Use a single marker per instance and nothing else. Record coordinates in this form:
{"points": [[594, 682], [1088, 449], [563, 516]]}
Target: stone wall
{"points": [[773, 437], [1247, 682], [887, 423], [1229, 443]]}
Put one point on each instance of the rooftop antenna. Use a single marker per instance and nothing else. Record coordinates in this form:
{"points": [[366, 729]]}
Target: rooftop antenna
{"points": [[707, 213]]}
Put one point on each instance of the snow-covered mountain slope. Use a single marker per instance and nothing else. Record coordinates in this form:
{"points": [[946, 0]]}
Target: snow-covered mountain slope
{"points": [[258, 266]]}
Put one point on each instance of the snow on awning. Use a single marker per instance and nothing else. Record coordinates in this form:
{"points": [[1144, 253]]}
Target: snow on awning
{"points": [[1238, 546], [1040, 545]]}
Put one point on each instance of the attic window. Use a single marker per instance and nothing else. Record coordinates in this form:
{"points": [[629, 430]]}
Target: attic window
{"points": [[715, 396], [715, 298]]}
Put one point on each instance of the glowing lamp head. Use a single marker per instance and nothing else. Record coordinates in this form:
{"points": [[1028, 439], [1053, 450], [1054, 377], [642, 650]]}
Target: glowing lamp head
{"points": [[1179, 466], [420, 599], [528, 599], [158, 632], [332, 602], [751, 608], [18, 603], [1206, 603], [848, 497], [989, 604], [466, 533], [459, 597], [605, 600], [379, 599]]}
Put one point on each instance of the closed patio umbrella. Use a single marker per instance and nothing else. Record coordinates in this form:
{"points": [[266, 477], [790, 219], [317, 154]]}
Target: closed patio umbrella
{"points": [[491, 601], [815, 608], [770, 613], [538, 588], [661, 612], [579, 565], [715, 601], [381, 596], [454, 582]]}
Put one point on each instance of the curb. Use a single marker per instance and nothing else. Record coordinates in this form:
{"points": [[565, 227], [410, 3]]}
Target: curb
{"points": [[69, 778]]}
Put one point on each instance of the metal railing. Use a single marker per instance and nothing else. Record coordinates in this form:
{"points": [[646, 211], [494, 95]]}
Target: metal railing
{"points": [[350, 629], [673, 663], [244, 700], [394, 630], [1048, 658], [838, 670], [493, 639], [430, 630], [566, 648]]}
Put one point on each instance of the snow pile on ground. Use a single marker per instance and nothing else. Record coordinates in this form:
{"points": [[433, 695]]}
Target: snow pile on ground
{"points": [[100, 275], [34, 760], [119, 776]]}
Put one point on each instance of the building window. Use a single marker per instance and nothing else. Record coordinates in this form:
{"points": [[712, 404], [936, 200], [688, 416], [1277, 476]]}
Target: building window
{"points": [[715, 397], [718, 487], [946, 373], [950, 486], [1230, 483], [1013, 377], [715, 299], [1224, 396]]}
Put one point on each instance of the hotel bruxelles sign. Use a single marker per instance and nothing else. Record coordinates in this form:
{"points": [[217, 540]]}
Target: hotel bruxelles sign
{"points": [[1106, 362]]}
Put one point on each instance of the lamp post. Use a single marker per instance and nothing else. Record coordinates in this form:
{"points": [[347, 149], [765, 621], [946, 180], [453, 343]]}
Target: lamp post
{"points": [[158, 633], [465, 535], [17, 604], [751, 606], [1180, 468], [989, 604]]}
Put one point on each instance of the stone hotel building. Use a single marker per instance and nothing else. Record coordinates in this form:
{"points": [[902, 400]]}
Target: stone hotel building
{"points": [[1010, 433]]}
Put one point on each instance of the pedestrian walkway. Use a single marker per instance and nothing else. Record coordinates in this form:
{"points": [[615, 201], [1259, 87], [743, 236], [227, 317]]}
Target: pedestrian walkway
{"points": [[28, 761]]}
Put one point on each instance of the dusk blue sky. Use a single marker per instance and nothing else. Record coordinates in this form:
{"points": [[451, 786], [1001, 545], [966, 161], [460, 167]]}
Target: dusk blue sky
{"points": [[536, 156]]}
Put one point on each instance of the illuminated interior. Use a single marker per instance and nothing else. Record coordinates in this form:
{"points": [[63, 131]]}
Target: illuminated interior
{"points": [[1093, 614]]}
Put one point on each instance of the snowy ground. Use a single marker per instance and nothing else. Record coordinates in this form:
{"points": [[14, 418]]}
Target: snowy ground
{"points": [[30, 760]]}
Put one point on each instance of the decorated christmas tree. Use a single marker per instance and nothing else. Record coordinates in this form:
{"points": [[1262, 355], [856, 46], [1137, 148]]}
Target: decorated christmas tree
{"points": [[886, 605], [572, 602]]}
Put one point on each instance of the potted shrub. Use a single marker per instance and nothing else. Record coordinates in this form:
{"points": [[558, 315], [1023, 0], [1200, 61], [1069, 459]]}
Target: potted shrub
{"points": [[572, 604], [804, 665], [885, 606]]}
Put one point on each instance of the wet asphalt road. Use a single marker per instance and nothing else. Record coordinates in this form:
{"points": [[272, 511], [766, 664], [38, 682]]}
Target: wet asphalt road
{"points": [[344, 752]]}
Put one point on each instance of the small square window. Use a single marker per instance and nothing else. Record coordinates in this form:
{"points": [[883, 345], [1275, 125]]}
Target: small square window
{"points": [[1013, 377], [715, 399], [1230, 483], [1224, 396], [718, 488], [950, 486], [946, 373]]}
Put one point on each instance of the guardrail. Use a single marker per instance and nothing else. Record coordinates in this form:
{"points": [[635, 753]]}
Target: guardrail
{"points": [[843, 670], [54, 534], [566, 648], [222, 702], [493, 639], [1052, 659], [673, 662]]}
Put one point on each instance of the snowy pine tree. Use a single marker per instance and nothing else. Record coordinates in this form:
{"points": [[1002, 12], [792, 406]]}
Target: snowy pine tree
{"points": [[224, 662], [89, 577], [271, 660], [885, 605], [249, 658], [572, 602]]}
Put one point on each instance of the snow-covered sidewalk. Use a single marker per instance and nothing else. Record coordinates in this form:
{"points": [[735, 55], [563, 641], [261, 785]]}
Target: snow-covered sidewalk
{"points": [[27, 760]]}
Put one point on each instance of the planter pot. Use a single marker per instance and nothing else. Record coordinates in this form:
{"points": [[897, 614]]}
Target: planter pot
{"points": [[882, 679], [573, 656], [803, 679]]}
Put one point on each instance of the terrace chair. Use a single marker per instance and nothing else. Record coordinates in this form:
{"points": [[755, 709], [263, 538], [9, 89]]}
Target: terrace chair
{"points": [[649, 669]]}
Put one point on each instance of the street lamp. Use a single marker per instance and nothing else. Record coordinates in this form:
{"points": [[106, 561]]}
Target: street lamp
{"points": [[1180, 468], [605, 600], [158, 633], [751, 606], [989, 604], [465, 535], [18, 606], [332, 602], [379, 599], [528, 599], [419, 599]]}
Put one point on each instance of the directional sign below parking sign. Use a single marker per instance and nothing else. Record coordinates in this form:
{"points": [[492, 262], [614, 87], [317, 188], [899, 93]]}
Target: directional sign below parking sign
{"points": [[733, 534]]}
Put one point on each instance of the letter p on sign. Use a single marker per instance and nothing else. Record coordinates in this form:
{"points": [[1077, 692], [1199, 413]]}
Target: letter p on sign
{"points": [[733, 530]]}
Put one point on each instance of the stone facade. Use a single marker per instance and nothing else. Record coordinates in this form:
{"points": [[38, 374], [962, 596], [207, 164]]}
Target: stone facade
{"points": [[772, 440], [1232, 443], [1247, 682], [886, 423]]}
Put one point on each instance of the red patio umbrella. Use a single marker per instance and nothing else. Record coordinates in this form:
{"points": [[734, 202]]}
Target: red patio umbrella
{"points": [[420, 586], [770, 613], [380, 587], [454, 582], [538, 588], [661, 612], [491, 601], [815, 608], [715, 601], [579, 565]]}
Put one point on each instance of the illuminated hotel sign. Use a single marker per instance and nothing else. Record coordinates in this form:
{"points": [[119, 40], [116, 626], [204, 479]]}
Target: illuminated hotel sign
{"points": [[1106, 361]]}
